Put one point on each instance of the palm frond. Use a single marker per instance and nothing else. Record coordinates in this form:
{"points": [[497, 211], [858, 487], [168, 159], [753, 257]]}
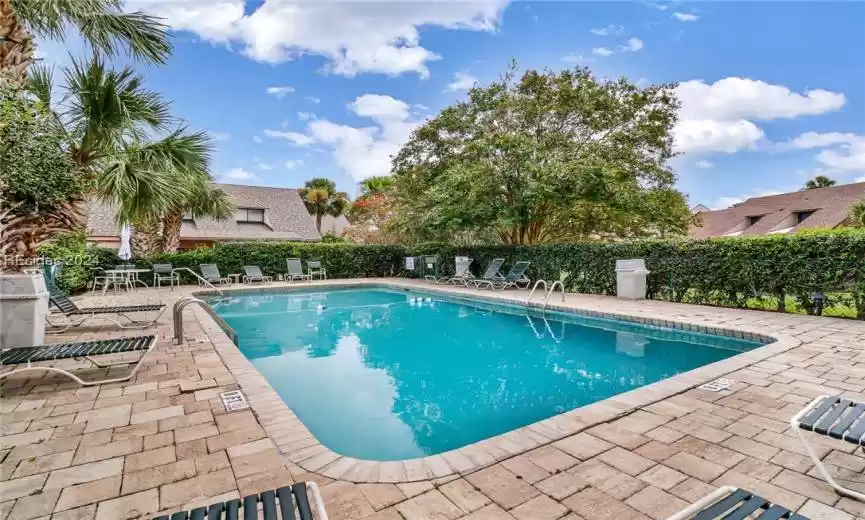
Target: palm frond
{"points": [[106, 106], [102, 23], [40, 79], [210, 201]]}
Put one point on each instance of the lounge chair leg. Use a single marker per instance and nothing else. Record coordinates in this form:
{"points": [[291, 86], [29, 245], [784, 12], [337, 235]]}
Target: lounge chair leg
{"points": [[319, 503], [794, 423]]}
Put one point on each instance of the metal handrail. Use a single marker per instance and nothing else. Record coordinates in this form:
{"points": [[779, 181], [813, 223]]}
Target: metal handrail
{"points": [[552, 289], [200, 279], [535, 288], [178, 318]]}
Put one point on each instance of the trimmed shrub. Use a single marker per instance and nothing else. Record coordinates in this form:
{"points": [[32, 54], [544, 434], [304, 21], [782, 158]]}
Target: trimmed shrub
{"points": [[340, 260], [78, 259], [732, 271]]}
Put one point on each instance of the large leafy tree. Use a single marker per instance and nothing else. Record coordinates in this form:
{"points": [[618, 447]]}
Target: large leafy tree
{"points": [[321, 198], [39, 183], [101, 23], [820, 181], [122, 135], [548, 156]]}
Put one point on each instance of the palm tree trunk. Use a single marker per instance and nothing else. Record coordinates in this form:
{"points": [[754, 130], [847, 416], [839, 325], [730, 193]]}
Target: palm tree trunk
{"points": [[16, 46], [146, 239], [171, 225], [318, 217], [21, 234]]}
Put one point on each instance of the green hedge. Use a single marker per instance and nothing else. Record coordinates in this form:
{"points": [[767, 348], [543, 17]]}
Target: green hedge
{"points": [[340, 260], [755, 272], [775, 272]]}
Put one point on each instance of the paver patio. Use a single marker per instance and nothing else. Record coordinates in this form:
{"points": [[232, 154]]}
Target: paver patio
{"points": [[164, 441]]}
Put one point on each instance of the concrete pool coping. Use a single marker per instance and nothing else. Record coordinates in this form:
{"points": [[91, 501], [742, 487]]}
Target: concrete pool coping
{"points": [[302, 448]]}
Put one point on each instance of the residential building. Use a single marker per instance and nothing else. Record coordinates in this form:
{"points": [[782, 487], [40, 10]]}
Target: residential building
{"points": [[262, 213], [784, 213]]}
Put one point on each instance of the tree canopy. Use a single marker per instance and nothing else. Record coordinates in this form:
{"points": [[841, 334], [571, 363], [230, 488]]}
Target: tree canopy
{"points": [[820, 181], [321, 198], [547, 157]]}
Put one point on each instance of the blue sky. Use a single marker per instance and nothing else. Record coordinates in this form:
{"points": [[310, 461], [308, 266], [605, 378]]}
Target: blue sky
{"points": [[773, 92]]}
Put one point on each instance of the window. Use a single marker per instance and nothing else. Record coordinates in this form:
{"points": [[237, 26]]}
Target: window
{"points": [[249, 215], [754, 219], [188, 217], [802, 215]]}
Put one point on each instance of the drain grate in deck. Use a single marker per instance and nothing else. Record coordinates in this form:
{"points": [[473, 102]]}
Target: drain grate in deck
{"points": [[717, 385], [234, 400]]}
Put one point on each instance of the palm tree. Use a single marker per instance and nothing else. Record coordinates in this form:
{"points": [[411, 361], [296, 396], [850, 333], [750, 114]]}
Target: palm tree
{"points": [[820, 181], [206, 200], [104, 26], [376, 185], [110, 121], [321, 198]]}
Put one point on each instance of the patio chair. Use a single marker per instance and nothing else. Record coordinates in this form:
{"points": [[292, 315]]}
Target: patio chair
{"points": [[295, 270], [99, 278], [164, 272], [252, 273], [211, 273], [835, 417], [314, 268], [492, 273], [86, 350], [515, 277], [728, 503], [286, 503], [462, 274], [68, 308]]}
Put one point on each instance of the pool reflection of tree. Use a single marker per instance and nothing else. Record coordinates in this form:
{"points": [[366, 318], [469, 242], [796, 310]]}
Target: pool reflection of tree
{"points": [[489, 388]]}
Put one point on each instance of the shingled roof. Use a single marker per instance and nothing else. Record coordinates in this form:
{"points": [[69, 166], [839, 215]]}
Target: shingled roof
{"points": [[285, 218], [828, 208]]}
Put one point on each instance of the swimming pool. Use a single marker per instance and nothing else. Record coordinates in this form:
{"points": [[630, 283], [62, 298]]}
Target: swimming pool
{"points": [[383, 374]]}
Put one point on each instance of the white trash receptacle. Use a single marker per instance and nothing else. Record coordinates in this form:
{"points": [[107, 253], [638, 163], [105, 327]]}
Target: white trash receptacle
{"points": [[631, 279]]}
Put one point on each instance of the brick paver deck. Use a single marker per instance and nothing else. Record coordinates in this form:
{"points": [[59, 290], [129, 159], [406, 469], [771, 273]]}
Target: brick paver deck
{"points": [[164, 441]]}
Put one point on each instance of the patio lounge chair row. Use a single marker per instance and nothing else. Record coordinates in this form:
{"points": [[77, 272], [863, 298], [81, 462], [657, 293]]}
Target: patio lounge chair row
{"points": [[253, 273], [492, 277]]}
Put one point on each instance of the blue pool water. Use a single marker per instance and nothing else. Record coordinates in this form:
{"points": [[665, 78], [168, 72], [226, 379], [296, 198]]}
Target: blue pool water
{"points": [[389, 375]]}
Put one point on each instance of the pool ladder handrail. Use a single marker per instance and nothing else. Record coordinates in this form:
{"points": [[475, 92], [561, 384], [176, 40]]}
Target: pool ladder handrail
{"points": [[200, 279], [177, 312], [549, 292]]}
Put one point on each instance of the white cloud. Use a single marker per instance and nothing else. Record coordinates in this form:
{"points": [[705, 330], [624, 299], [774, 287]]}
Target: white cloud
{"points": [[462, 81], [719, 117], [610, 30], [295, 137], [708, 135], [239, 174], [280, 92], [367, 151], [574, 58], [685, 17], [261, 165], [313, 99], [290, 165], [354, 36], [220, 136], [744, 98], [257, 139], [634, 44], [842, 152], [305, 116], [704, 164]]}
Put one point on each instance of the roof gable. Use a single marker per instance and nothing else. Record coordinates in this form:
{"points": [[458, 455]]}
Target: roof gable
{"points": [[778, 212]]}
